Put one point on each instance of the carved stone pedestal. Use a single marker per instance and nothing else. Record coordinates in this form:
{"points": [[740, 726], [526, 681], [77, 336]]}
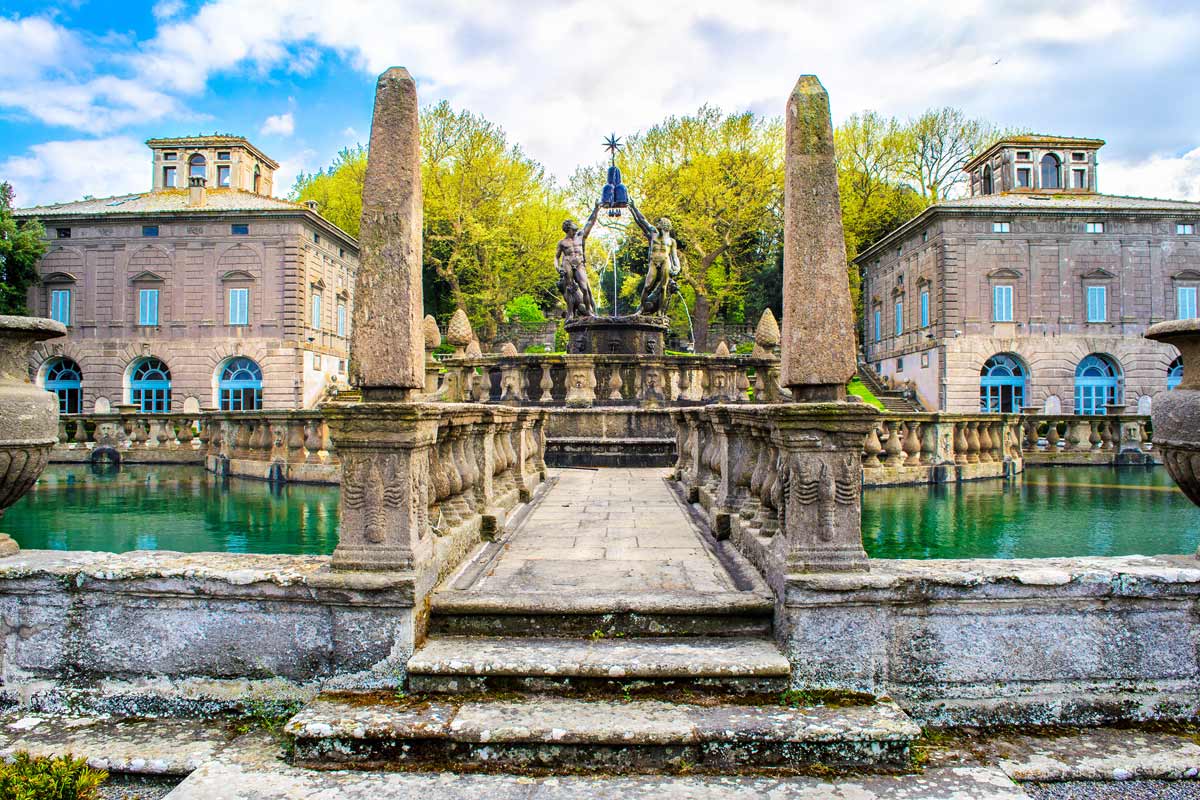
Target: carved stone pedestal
{"points": [[383, 519]]}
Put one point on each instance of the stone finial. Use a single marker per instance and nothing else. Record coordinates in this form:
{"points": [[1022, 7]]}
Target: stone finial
{"points": [[767, 332], [473, 349], [459, 332], [387, 359], [508, 349], [761, 352], [722, 349], [818, 350], [433, 336]]}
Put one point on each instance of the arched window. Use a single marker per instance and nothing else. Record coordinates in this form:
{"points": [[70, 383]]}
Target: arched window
{"points": [[240, 386], [64, 378], [150, 386], [1002, 385], [1097, 384], [1051, 172], [1175, 373], [257, 179], [987, 180], [197, 166]]}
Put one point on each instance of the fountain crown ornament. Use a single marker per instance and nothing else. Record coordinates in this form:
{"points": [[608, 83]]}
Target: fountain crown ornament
{"points": [[614, 196]]}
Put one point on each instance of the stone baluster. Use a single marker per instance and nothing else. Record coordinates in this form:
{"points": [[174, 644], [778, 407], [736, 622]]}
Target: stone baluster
{"points": [[985, 441], [1109, 431], [872, 448], [1030, 440], [912, 444], [614, 383], [893, 447], [185, 433], [1052, 436], [546, 385], [961, 444], [206, 435], [331, 455], [1095, 438], [973, 442], [62, 431], [81, 435], [243, 430], [312, 441], [1078, 435], [295, 440]]}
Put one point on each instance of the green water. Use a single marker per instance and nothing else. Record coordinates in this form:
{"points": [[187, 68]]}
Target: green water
{"points": [[171, 508], [1047, 512], [1061, 511]]}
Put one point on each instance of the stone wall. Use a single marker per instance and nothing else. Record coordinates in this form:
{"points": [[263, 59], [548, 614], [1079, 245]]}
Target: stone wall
{"points": [[1032, 641], [166, 633]]}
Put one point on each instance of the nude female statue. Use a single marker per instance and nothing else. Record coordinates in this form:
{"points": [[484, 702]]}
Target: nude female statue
{"points": [[664, 262], [571, 262]]}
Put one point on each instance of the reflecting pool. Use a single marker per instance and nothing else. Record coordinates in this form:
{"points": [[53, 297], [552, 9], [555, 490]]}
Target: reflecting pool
{"points": [[187, 509], [1047, 512]]}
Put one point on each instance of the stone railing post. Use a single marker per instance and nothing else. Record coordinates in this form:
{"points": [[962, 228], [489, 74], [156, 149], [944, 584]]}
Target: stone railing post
{"points": [[383, 518], [820, 449], [581, 381], [893, 447], [872, 448]]}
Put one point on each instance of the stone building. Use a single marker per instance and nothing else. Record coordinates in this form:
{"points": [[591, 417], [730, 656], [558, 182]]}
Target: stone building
{"points": [[1034, 291], [203, 292]]}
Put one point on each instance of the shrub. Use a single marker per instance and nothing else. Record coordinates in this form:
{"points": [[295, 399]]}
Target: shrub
{"points": [[40, 778], [744, 348], [525, 310], [537, 348]]}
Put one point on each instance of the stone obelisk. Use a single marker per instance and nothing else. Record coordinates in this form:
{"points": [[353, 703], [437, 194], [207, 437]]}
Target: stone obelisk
{"points": [[818, 321], [387, 340], [384, 441]]}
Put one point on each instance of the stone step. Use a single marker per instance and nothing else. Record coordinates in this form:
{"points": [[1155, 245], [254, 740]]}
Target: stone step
{"points": [[542, 734], [455, 664], [563, 614]]}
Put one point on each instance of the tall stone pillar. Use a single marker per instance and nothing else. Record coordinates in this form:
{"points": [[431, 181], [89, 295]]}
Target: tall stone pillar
{"points": [[818, 321], [387, 338]]}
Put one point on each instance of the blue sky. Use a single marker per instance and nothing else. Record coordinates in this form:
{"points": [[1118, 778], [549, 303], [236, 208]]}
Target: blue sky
{"points": [[93, 79]]}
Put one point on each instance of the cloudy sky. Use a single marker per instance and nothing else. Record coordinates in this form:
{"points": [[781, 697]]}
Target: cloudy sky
{"points": [[84, 83]]}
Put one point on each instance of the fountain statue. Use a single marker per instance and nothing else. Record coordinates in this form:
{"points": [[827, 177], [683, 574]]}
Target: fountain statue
{"points": [[664, 262], [571, 261]]}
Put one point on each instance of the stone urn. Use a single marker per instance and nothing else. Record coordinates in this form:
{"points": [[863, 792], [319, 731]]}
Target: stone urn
{"points": [[1176, 414], [28, 415]]}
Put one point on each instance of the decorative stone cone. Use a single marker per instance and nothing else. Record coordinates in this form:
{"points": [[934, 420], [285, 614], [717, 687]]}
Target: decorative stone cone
{"points": [[387, 358], [761, 352], [508, 349], [767, 332], [28, 414], [818, 321], [473, 349], [459, 332], [722, 349], [1176, 413], [433, 337]]}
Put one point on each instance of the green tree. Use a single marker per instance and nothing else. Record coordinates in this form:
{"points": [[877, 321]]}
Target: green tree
{"points": [[492, 217], [939, 143], [21, 246], [525, 310], [337, 189]]}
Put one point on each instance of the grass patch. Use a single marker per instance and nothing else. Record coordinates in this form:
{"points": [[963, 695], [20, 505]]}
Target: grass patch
{"points": [[40, 778], [859, 389], [830, 698]]}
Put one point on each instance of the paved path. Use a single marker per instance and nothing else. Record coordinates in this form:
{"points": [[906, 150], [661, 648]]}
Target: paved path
{"points": [[607, 530]]}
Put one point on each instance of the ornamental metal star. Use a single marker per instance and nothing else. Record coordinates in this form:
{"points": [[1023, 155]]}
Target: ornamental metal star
{"points": [[612, 144]]}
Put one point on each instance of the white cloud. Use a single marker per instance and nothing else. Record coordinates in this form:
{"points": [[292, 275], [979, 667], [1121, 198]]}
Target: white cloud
{"points": [[1165, 176], [292, 165], [278, 125], [167, 9], [62, 171]]}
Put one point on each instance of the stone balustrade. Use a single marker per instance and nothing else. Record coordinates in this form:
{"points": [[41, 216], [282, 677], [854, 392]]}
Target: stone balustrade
{"points": [[939, 448], [129, 436], [1087, 439], [553, 379], [783, 482]]}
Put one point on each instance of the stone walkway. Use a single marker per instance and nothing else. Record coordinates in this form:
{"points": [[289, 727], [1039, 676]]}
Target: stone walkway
{"points": [[606, 530]]}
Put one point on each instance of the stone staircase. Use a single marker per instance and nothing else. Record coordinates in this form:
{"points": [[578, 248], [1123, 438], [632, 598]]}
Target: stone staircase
{"points": [[563, 685], [892, 399]]}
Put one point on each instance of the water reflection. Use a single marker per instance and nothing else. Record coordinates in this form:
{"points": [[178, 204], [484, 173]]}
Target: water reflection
{"points": [[1049, 511], [76, 507]]}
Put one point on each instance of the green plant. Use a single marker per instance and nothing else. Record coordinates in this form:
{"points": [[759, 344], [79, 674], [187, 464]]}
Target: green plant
{"points": [[525, 310], [560, 338], [744, 348], [537, 348], [29, 777], [859, 389], [443, 349]]}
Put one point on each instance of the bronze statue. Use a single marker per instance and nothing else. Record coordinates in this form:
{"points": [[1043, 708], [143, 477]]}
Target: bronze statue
{"points": [[571, 261], [664, 262]]}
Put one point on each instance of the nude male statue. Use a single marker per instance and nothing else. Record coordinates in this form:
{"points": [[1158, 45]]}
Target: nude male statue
{"points": [[664, 262], [571, 262]]}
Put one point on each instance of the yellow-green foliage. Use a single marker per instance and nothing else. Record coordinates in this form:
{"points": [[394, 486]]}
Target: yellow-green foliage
{"points": [[40, 778], [859, 389]]}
